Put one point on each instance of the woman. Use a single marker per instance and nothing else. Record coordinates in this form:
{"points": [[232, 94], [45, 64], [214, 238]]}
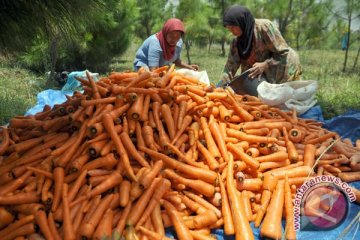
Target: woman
{"points": [[163, 48], [259, 49]]}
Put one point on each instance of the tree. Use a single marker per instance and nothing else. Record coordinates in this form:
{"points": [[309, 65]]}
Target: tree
{"points": [[151, 16], [19, 26]]}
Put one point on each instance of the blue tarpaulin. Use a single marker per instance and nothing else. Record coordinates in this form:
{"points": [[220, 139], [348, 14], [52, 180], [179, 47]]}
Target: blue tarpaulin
{"points": [[346, 125]]}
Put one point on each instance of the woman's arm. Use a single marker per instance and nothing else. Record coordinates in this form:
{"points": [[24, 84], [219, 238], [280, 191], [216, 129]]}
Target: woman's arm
{"points": [[180, 64]]}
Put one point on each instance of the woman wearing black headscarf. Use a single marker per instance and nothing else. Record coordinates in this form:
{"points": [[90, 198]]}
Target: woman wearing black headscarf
{"points": [[259, 49]]}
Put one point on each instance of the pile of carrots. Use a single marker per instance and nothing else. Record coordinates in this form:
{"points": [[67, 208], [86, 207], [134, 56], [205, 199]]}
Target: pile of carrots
{"points": [[138, 152]]}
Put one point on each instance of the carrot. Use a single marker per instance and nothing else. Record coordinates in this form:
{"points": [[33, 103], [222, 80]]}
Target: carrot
{"points": [[290, 232], [41, 220], [194, 172], [249, 184], [52, 227], [46, 195], [66, 157], [292, 152], [5, 217], [226, 210], [104, 228], [23, 230], [14, 185], [219, 139], [67, 226], [169, 120], [271, 226], [349, 176], [163, 186], [110, 128], [210, 160], [157, 220], [124, 191], [129, 146], [118, 230], [264, 166], [322, 138], [58, 184], [136, 109], [112, 181], [241, 225], [265, 199], [210, 143], [202, 220], [139, 207], [250, 138], [273, 157], [239, 151], [238, 108], [185, 123], [87, 228], [5, 141], [149, 176], [181, 230], [148, 134], [198, 185]]}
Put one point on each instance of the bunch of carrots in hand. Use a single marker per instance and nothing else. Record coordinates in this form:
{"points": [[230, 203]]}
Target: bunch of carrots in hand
{"points": [[138, 152]]}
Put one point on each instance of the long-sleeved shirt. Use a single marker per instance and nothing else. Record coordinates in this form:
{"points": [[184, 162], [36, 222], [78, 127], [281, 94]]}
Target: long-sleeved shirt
{"points": [[150, 54], [270, 46]]}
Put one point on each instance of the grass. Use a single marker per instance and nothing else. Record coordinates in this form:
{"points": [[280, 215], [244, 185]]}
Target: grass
{"points": [[337, 91]]}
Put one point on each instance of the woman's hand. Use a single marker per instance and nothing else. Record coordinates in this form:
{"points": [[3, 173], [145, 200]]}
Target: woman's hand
{"points": [[258, 69], [194, 67]]}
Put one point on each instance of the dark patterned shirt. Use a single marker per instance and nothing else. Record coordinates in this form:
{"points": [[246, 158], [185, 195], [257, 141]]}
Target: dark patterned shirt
{"points": [[268, 45]]}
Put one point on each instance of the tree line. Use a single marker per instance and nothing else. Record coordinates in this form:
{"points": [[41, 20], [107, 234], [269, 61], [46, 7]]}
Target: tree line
{"points": [[78, 34]]}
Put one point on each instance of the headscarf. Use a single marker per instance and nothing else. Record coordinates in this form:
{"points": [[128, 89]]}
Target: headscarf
{"points": [[240, 16], [173, 24]]}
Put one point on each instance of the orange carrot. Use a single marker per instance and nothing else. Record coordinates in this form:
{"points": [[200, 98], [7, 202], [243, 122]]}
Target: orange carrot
{"points": [[239, 151], [87, 228], [194, 172], [210, 160], [271, 226], [163, 186], [104, 229], [122, 221], [265, 199], [157, 220], [250, 138], [215, 131], [124, 191], [149, 176], [226, 210], [67, 225], [290, 232], [198, 185], [349, 176], [139, 207], [241, 224], [130, 148], [41, 220], [182, 231], [273, 157], [58, 184], [185, 123], [5, 141], [5, 217], [170, 124], [52, 227], [110, 128], [292, 152], [210, 143]]}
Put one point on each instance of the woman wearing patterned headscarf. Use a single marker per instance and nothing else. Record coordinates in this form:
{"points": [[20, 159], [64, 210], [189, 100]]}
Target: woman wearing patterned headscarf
{"points": [[258, 48], [163, 48]]}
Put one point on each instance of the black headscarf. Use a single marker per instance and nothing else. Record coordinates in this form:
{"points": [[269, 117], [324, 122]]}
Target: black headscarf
{"points": [[240, 16]]}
